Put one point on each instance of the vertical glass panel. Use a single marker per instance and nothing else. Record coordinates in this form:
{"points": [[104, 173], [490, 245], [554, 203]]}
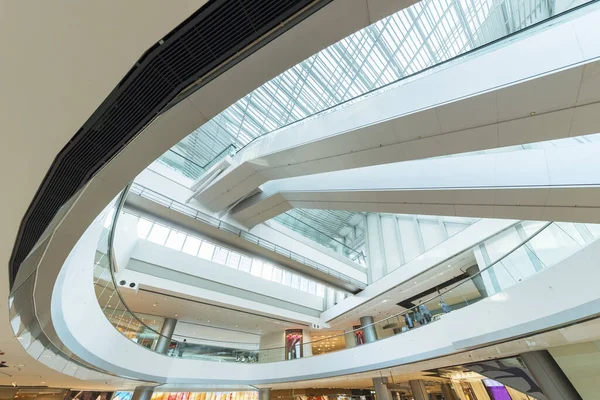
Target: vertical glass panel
{"points": [[277, 274], [267, 271], [143, 228], [287, 278], [256, 267], [303, 284], [158, 234], [175, 240], [206, 250], [295, 281], [233, 260], [220, 256], [320, 290], [312, 287], [245, 264], [191, 245]]}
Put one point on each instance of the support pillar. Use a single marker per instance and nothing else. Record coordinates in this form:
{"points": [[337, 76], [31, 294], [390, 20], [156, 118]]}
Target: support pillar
{"points": [[166, 333], [306, 343], [350, 339], [548, 375], [368, 329], [447, 392], [142, 393], [264, 394], [381, 390], [417, 387]]}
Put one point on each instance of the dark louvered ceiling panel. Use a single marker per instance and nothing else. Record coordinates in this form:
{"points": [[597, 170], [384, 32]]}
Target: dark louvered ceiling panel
{"points": [[205, 41]]}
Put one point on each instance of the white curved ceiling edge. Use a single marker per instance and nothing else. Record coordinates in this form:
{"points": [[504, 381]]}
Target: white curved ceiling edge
{"points": [[74, 310]]}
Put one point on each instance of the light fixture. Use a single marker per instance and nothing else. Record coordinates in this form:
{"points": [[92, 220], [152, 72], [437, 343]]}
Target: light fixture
{"points": [[532, 113], [154, 305]]}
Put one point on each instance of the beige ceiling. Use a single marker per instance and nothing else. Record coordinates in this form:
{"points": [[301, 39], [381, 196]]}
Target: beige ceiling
{"points": [[60, 60]]}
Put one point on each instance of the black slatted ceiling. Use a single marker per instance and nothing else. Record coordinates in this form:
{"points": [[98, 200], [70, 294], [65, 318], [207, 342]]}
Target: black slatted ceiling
{"points": [[216, 32]]}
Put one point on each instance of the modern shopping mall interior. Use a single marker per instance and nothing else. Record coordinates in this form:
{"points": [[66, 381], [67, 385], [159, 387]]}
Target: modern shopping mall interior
{"points": [[300, 200]]}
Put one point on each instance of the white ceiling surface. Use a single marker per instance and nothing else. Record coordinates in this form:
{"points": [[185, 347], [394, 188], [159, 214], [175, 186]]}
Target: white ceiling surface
{"points": [[61, 60], [551, 184], [565, 342], [201, 313], [426, 116], [64, 59]]}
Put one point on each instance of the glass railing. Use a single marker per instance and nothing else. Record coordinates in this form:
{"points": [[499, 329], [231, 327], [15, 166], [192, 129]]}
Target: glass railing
{"points": [[215, 222], [504, 260]]}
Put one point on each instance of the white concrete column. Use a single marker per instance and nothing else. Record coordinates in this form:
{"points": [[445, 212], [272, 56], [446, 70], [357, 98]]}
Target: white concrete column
{"points": [[391, 242], [306, 343], [264, 394], [142, 393], [166, 333], [381, 390], [548, 375], [350, 339], [375, 250], [368, 329], [417, 387]]}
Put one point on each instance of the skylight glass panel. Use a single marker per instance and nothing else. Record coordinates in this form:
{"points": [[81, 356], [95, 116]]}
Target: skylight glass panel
{"points": [[245, 264], [158, 234], [220, 256], [256, 267], [191, 245], [416, 38], [233, 260], [277, 274], [175, 240], [206, 250], [143, 228], [267, 271]]}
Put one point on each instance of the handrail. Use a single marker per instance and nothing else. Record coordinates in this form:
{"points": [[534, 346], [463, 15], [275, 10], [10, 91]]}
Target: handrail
{"points": [[198, 215]]}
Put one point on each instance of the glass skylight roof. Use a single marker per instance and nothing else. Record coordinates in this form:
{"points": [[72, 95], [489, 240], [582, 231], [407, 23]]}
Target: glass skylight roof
{"points": [[423, 35]]}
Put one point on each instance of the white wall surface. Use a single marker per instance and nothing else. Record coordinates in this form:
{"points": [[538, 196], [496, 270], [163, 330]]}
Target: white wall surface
{"points": [[162, 256]]}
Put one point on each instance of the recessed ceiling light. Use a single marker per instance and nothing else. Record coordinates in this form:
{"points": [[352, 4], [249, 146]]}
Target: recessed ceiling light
{"points": [[384, 301], [532, 113], [154, 305], [175, 314]]}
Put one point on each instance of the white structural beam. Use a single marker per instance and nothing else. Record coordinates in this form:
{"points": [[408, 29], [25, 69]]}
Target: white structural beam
{"points": [[541, 86], [551, 184]]}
